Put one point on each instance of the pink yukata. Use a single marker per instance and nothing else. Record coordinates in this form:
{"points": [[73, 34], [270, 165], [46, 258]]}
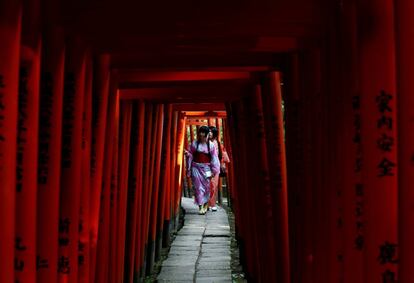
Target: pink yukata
{"points": [[214, 183], [201, 171]]}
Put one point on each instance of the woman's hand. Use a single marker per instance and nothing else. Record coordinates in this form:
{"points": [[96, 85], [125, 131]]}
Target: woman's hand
{"points": [[186, 153]]}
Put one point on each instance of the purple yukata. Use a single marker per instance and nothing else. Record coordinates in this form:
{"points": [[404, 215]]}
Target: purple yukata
{"points": [[202, 162]]}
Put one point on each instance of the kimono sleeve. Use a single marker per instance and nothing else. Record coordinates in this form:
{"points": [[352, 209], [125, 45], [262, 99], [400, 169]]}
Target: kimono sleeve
{"points": [[225, 158], [215, 163], [190, 155]]}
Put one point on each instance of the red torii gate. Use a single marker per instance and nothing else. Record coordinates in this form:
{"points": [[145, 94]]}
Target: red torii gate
{"points": [[339, 210]]}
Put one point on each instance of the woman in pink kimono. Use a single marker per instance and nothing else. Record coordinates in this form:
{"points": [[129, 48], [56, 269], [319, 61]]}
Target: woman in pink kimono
{"points": [[202, 165], [214, 180]]}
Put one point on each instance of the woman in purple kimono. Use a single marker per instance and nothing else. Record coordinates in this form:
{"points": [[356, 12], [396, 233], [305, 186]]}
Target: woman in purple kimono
{"points": [[202, 165]]}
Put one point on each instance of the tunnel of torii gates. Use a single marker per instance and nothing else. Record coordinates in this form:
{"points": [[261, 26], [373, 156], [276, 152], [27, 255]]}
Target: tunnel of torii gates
{"points": [[94, 99]]}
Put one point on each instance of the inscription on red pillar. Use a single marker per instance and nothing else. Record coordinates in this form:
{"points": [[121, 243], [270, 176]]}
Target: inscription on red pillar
{"points": [[2, 117], [359, 240], [385, 141]]}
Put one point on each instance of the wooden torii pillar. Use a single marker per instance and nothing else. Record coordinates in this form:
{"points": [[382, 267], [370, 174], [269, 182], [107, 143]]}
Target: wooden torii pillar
{"points": [[405, 70], [10, 30], [376, 48]]}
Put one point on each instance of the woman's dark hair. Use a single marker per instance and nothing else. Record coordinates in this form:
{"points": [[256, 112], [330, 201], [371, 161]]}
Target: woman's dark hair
{"points": [[214, 131], [203, 129]]}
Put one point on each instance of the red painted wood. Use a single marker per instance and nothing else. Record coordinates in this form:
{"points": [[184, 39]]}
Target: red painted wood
{"points": [[327, 240], [10, 28], [50, 139], [253, 249], [180, 159], [108, 174], [174, 123], [193, 131], [350, 145], [182, 76], [230, 136], [165, 169], [151, 176], [147, 169], [304, 196], [294, 149], [27, 152], [335, 188], [152, 190], [132, 198], [157, 173], [169, 171], [27, 145], [136, 261], [99, 124], [73, 100], [229, 166], [173, 175], [113, 203], [251, 237], [188, 138], [404, 43], [124, 155], [239, 212], [278, 176], [314, 243], [265, 211], [84, 221], [378, 81]]}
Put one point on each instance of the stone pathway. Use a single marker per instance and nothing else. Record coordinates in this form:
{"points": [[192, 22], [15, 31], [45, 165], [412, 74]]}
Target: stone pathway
{"points": [[201, 250]]}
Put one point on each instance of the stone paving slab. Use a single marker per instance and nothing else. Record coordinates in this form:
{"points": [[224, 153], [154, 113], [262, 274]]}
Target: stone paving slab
{"points": [[185, 248], [214, 259], [189, 237], [216, 233], [216, 255], [213, 273], [193, 219], [214, 247], [214, 266], [184, 252], [182, 262], [176, 274], [219, 229], [223, 279], [216, 240], [207, 252], [185, 244], [195, 225], [174, 281], [183, 258], [201, 249], [192, 232]]}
